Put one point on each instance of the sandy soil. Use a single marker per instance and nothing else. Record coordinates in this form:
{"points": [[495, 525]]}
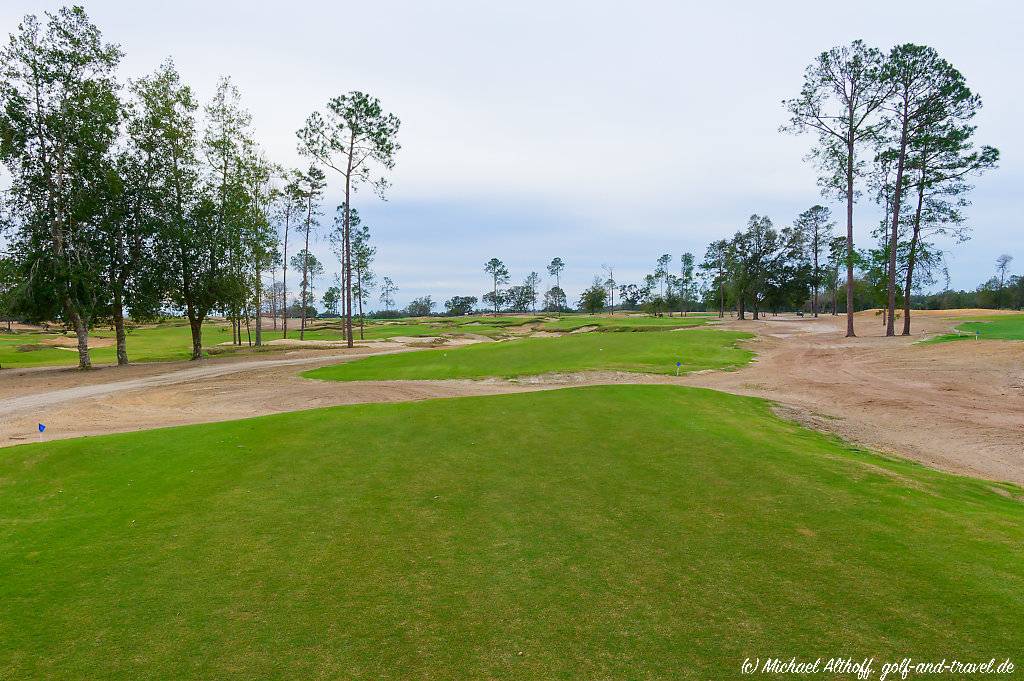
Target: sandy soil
{"points": [[955, 406]]}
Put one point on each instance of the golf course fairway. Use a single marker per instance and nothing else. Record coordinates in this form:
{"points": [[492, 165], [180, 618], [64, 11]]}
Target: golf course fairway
{"points": [[649, 352], [600, 532]]}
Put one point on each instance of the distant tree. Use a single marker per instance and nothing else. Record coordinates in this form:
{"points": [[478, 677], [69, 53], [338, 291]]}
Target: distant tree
{"points": [[289, 211], [555, 269], [517, 298], [629, 296], [311, 185], [352, 136], [715, 270], [494, 299], [836, 260], [661, 271], [687, 285], [756, 257], [609, 283], [840, 99], [387, 293], [459, 305], [673, 293], [1001, 266], [816, 226], [420, 307], [532, 283], [593, 299], [499, 276], [306, 264], [654, 305], [363, 253], [331, 299], [554, 300]]}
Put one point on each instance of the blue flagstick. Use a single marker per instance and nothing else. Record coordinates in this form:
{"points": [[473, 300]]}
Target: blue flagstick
{"points": [[678, 364], [42, 427]]}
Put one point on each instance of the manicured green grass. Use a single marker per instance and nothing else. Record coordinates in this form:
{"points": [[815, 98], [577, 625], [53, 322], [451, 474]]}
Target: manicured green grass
{"points": [[655, 352], [995, 327], [172, 340], [596, 533]]}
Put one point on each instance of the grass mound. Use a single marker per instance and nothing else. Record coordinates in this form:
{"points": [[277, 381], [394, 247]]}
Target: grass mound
{"points": [[624, 322], [520, 536], [655, 352], [994, 327]]}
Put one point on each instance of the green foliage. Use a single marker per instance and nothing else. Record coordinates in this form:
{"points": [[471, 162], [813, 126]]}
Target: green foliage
{"points": [[460, 305], [593, 298], [420, 307], [499, 276], [331, 298], [59, 116]]}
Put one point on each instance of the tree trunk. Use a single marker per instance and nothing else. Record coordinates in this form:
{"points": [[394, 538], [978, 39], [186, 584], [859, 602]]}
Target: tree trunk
{"points": [[259, 308], [273, 296], [741, 310], [347, 271], [82, 332], [284, 282], [359, 282], [196, 325], [897, 195], [849, 237], [814, 298], [122, 348], [911, 257]]}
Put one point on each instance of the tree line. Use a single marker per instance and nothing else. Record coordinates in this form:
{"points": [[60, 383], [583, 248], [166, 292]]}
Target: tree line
{"points": [[897, 126], [123, 200], [133, 199]]}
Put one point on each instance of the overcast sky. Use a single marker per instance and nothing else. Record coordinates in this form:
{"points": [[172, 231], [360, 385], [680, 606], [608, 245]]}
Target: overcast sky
{"points": [[601, 132]]}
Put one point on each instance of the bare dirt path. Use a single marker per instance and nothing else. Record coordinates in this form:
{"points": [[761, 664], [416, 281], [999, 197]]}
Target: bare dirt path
{"points": [[956, 406]]}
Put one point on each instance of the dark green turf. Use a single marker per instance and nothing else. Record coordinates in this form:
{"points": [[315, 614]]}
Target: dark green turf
{"points": [[596, 533]]}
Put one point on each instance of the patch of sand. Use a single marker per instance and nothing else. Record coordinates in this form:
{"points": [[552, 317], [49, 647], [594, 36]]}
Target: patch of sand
{"points": [[71, 343], [955, 406]]}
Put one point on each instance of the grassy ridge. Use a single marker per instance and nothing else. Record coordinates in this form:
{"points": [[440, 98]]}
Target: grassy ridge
{"points": [[465, 539], [655, 352], [995, 327], [624, 322]]}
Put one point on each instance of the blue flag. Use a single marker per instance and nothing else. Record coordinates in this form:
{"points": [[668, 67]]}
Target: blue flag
{"points": [[679, 364], [41, 427]]}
